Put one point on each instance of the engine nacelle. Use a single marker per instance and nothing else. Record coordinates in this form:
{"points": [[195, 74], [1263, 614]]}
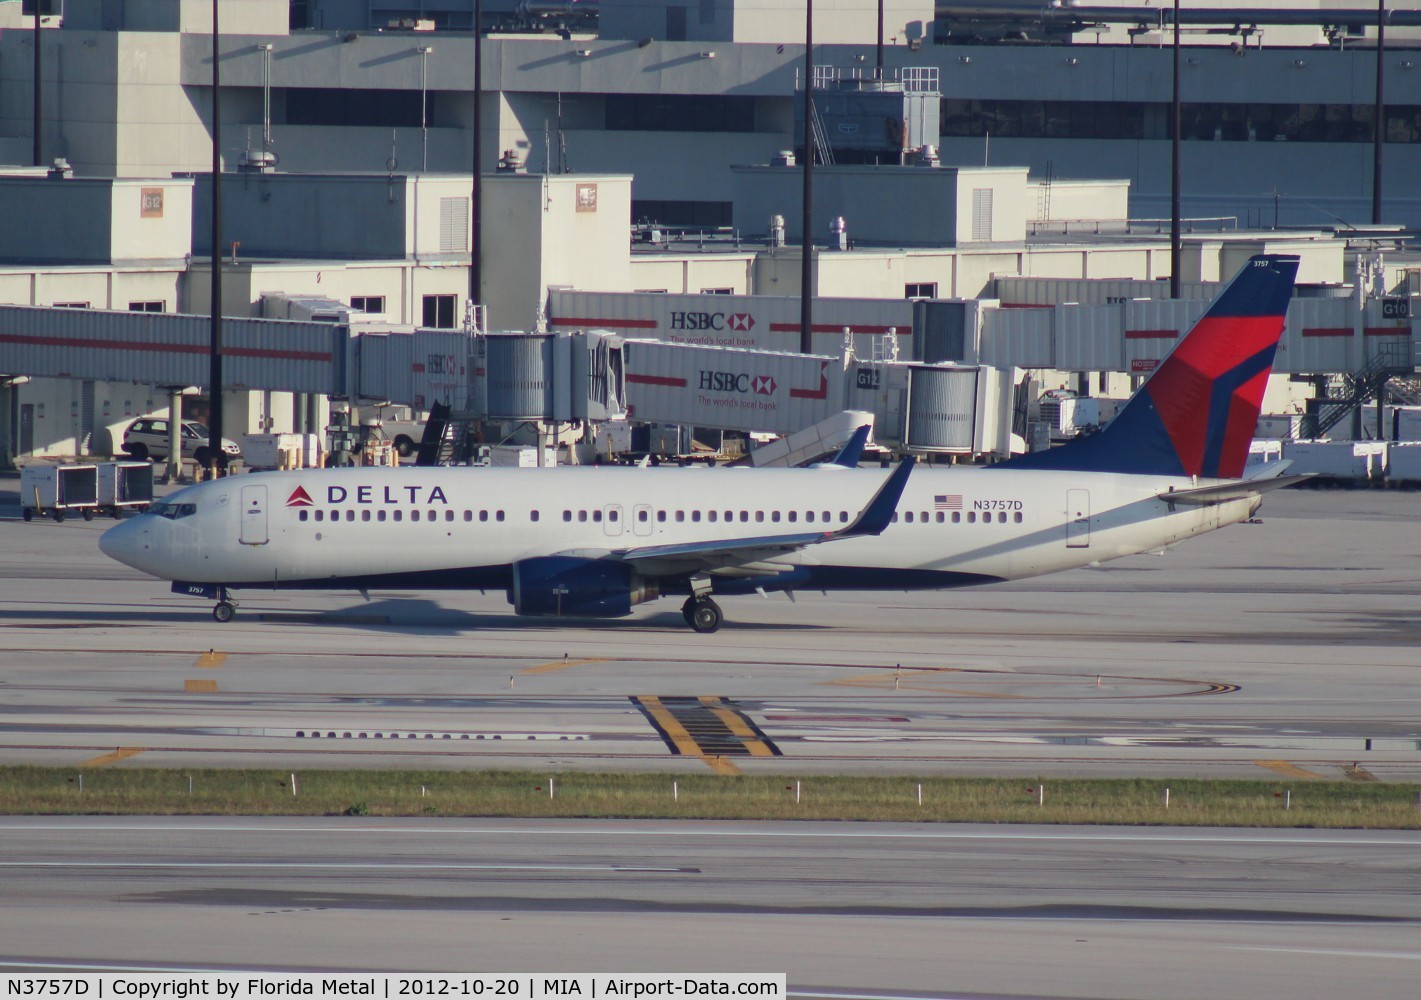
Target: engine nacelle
{"points": [[565, 585]]}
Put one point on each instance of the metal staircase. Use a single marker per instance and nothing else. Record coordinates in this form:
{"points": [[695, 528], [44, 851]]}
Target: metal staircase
{"points": [[448, 437], [1345, 393]]}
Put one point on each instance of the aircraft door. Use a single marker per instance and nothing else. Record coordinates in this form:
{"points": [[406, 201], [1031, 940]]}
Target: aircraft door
{"points": [[253, 530], [612, 519], [1078, 519], [641, 519]]}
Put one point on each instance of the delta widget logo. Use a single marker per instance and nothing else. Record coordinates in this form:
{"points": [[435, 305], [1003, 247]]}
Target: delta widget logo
{"points": [[300, 498]]}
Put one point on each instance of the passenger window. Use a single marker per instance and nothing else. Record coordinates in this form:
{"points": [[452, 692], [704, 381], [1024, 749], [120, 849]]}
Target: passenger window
{"points": [[680, 516], [957, 517], [843, 517], [399, 515], [696, 516], [793, 516], [971, 517], [1002, 518], [826, 517], [498, 516], [641, 517], [759, 516], [744, 516], [414, 515], [350, 515], [809, 516], [941, 517], [468, 515], [597, 516], [661, 517], [567, 515], [448, 515], [908, 517], [895, 517], [379, 515], [320, 515], [364, 515], [533, 515], [303, 515], [582, 516], [613, 515], [730, 515], [711, 516], [483, 515], [1017, 517], [775, 516]]}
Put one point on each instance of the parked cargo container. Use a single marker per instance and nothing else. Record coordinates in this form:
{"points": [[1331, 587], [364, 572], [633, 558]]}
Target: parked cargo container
{"points": [[59, 490], [125, 485], [1362, 461]]}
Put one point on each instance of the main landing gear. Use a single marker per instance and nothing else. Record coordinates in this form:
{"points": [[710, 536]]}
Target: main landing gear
{"points": [[702, 614], [226, 608]]}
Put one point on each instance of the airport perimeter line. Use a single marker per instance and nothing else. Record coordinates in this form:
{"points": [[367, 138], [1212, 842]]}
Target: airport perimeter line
{"points": [[100, 789]]}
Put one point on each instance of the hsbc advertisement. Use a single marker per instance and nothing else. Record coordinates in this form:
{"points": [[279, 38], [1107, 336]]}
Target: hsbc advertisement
{"points": [[753, 322], [729, 387]]}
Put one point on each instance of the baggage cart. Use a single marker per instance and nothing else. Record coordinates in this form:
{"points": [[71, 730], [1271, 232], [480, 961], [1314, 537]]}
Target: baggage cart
{"points": [[58, 490], [125, 485]]}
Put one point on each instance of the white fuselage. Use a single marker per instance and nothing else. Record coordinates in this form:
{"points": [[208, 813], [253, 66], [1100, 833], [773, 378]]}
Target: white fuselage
{"points": [[338, 528]]}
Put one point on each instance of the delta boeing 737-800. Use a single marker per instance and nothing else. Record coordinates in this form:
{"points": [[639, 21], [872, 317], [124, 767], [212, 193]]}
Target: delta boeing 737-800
{"points": [[594, 542]]}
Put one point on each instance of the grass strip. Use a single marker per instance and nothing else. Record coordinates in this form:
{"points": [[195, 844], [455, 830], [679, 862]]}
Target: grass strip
{"points": [[222, 792]]}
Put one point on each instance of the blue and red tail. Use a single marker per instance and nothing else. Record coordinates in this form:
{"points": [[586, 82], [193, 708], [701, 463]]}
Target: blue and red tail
{"points": [[1197, 413]]}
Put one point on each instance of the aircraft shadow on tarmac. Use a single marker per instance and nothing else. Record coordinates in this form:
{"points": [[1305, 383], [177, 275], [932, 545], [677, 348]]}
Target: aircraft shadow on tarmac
{"points": [[379, 615]]}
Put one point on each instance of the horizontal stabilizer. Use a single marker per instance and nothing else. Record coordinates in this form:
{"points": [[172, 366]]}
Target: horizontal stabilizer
{"points": [[1205, 495]]}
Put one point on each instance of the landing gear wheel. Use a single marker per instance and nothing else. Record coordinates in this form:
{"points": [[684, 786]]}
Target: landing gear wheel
{"points": [[224, 611], [705, 617], [688, 609]]}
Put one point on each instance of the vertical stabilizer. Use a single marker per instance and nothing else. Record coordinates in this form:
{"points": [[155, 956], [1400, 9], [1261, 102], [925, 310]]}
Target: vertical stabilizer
{"points": [[1196, 414]]}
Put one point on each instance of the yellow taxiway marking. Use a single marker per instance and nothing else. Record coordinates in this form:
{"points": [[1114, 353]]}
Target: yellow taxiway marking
{"points": [[1289, 769], [210, 660], [547, 668], [122, 753], [721, 765], [686, 744], [736, 724], [199, 687]]}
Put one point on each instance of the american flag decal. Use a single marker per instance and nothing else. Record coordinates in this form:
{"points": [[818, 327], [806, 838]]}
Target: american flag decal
{"points": [[947, 501]]}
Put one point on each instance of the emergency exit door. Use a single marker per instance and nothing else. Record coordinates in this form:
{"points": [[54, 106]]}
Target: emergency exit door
{"points": [[1078, 519], [253, 530]]}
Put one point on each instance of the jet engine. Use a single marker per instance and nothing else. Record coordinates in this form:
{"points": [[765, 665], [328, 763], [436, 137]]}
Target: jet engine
{"points": [[565, 585]]}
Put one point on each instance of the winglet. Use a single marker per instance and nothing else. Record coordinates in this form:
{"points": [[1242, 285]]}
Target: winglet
{"points": [[852, 451], [878, 513]]}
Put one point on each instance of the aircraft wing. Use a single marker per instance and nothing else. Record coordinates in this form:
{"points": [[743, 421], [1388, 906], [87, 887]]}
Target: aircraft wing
{"points": [[744, 552], [1205, 495]]}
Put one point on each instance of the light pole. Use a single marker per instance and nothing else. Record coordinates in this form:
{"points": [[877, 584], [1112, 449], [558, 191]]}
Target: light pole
{"points": [[1378, 120], [476, 285], [424, 51], [806, 262], [214, 375], [39, 104], [1174, 206]]}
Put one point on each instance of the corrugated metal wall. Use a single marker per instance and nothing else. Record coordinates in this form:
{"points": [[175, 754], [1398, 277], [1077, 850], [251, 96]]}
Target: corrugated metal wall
{"points": [[417, 369], [729, 388], [160, 349]]}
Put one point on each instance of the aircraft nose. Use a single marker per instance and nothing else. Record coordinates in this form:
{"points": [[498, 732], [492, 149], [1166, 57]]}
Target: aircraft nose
{"points": [[123, 542]]}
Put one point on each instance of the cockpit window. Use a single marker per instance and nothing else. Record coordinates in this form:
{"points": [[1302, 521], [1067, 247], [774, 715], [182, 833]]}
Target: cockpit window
{"points": [[173, 511]]}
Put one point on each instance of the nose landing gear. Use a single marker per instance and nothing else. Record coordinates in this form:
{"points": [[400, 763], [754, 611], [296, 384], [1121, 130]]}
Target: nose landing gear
{"points": [[226, 608]]}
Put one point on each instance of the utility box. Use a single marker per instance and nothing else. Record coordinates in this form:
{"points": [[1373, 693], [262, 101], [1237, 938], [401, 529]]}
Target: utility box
{"points": [[59, 489], [125, 484]]}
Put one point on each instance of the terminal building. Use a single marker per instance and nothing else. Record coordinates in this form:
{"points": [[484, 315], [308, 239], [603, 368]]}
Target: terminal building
{"points": [[989, 158]]}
